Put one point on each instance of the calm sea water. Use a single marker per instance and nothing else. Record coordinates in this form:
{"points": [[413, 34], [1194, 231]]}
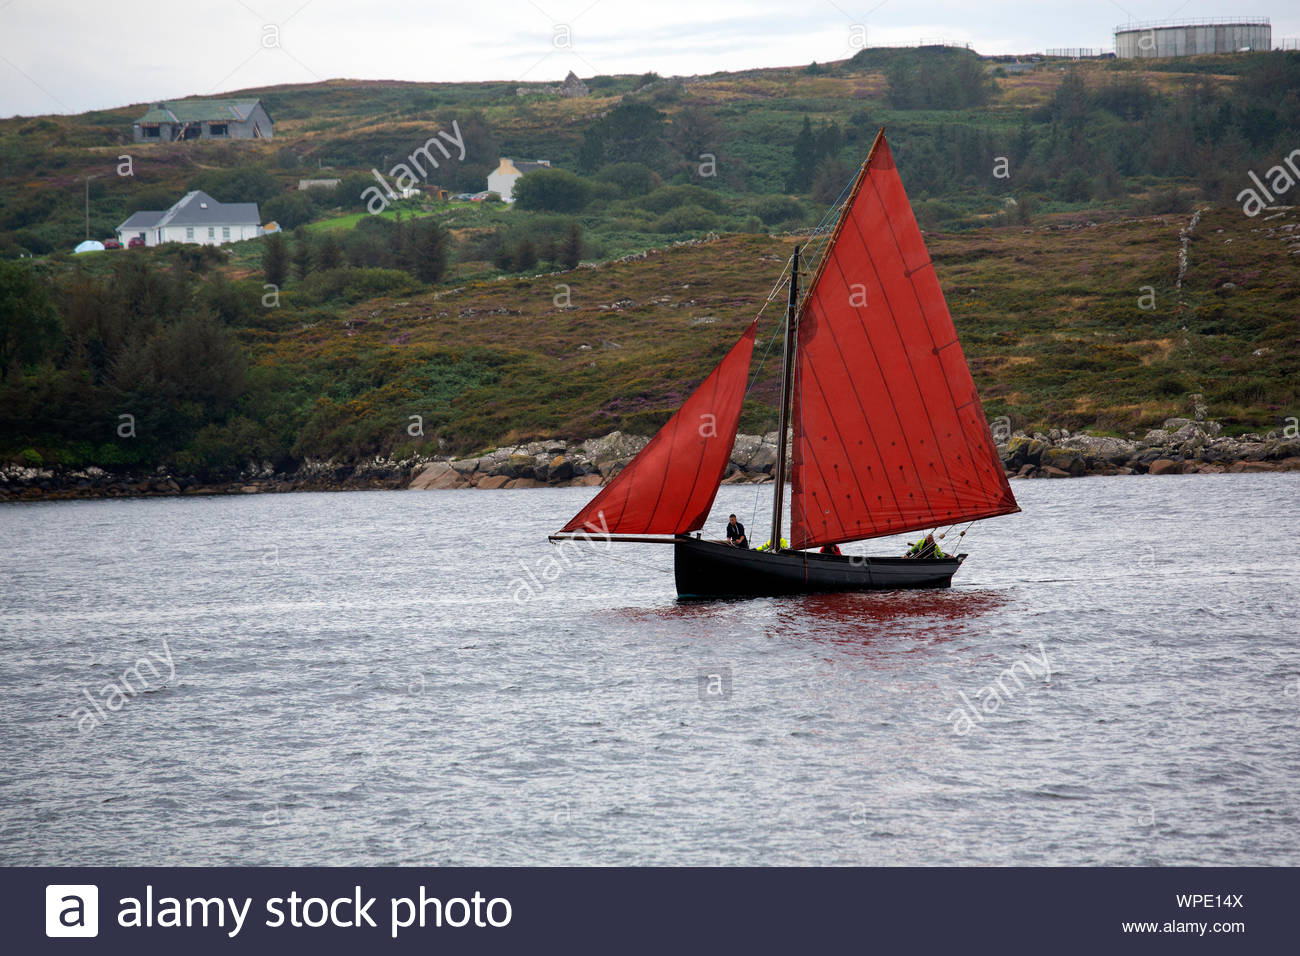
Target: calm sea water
{"points": [[364, 678]]}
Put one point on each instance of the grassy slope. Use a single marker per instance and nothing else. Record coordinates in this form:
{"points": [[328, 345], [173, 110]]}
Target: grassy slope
{"points": [[346, 126], [1049, 315], [1050, 319]]}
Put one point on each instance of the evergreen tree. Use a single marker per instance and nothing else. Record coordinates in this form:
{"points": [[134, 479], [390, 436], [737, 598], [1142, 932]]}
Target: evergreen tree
{"points": [[329, 255], [805, 160], [631, 132], [828, 141], [428, 250], [29, 323], [571, 254], [404, 253], [525, 255], [275, 259], [301, 255]]}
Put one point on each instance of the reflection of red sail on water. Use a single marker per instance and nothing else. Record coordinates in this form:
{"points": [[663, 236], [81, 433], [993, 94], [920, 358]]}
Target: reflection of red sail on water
{"points": [[889, 435], [924, 615]]}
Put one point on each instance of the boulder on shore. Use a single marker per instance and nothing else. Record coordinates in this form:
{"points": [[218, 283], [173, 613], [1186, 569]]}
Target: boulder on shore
{"points": [[1064, 459], [437, 476], [560, 469]]}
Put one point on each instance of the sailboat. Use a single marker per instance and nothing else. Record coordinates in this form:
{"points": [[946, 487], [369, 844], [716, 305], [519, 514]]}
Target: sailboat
{"points": [[889, 435]]}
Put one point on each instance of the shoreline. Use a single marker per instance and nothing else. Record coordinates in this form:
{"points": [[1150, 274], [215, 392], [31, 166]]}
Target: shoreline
{"points": [[1181, 446]]}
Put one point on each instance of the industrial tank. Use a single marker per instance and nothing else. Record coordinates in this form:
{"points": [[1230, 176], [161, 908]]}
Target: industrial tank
{"points": [[1168, 38]]}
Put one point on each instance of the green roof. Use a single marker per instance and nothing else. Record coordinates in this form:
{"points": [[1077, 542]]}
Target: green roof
{"points": [[197, 111]]}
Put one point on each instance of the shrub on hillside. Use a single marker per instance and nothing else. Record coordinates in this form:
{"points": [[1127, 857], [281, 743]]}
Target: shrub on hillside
{"points": [[348, 194], [532, 240], [221, 448], [241, 184], [631, 179], [774, 209], [354, 285], [290, 210], [552, 190], [932, 213], [937, 78], [688, 218], [671, 197], [231, 303], [152, 197], [632, 132], [191, 256]]}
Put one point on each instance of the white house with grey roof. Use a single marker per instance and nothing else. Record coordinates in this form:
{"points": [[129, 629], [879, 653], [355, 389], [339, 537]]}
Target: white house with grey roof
{"points": [[203, 119], [196, 218], [508, 172]]}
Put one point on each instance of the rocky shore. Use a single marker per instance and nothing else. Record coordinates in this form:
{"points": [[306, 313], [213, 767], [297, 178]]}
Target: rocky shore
{"points": [[1181, 446], [592, 462], [18, 483]]}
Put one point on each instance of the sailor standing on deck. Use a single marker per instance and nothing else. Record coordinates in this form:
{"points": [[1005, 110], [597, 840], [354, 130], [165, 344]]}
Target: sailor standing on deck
{"points": [[736, 534]]}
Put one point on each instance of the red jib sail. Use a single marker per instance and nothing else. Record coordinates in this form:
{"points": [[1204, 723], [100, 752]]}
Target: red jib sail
{"points": [[670, 486], [889, 433]]}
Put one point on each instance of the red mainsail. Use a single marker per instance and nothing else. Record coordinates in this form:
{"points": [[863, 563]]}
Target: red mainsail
{"points": [[670, 486], [889, 432]]}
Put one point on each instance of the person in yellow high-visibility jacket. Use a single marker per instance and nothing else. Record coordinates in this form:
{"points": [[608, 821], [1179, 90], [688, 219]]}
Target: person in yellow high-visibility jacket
{"points": [[925, 548], [767, 545]]}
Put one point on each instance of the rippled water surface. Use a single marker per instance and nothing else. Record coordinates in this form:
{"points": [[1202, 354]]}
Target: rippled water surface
{"points": [[390, 678]]}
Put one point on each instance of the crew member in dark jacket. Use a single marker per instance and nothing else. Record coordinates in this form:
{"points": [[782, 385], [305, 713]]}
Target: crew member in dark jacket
{"points": [[736, 534]]}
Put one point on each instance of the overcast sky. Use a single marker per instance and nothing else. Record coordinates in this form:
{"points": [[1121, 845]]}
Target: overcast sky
{"points": [[66, 56]]}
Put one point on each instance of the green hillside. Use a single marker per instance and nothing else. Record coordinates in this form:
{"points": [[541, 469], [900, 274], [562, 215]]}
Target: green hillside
{"points": [[1053, 201]]}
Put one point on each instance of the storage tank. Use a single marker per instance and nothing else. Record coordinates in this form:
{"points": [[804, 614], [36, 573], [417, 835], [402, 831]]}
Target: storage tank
{"points": [[1167, 38]]}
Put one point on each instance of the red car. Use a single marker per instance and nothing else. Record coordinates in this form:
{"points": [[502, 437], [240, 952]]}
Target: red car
{"points": [[136, 242], [112, 244]]}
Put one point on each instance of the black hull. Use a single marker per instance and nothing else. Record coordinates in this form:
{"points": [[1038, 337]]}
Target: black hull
{"points": [[706, 569]]}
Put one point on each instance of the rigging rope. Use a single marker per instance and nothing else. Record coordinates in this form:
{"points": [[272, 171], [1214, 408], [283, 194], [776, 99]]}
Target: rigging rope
{"points": [[940, 537]]}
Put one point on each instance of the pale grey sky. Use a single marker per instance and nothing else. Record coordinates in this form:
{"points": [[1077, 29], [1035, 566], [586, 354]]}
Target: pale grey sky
{"points": [[59, 56]]}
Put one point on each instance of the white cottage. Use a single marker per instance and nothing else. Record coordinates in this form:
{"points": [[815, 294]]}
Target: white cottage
{"points": [[196, 218], [502, 179]]}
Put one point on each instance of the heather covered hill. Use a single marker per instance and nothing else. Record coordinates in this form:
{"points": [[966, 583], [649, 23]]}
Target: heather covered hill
{"points": [[1074, 135], [1083, 220], [1075, 323]]}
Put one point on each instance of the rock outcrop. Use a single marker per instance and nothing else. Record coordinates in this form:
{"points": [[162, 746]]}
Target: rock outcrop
{"points": [[1181, 446], [437, 476]]}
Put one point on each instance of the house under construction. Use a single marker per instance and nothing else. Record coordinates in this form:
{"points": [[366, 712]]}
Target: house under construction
{"points": [[204, 119]]}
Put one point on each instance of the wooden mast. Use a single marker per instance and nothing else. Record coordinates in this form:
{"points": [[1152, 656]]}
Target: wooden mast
{"points": [[787, 395]]}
